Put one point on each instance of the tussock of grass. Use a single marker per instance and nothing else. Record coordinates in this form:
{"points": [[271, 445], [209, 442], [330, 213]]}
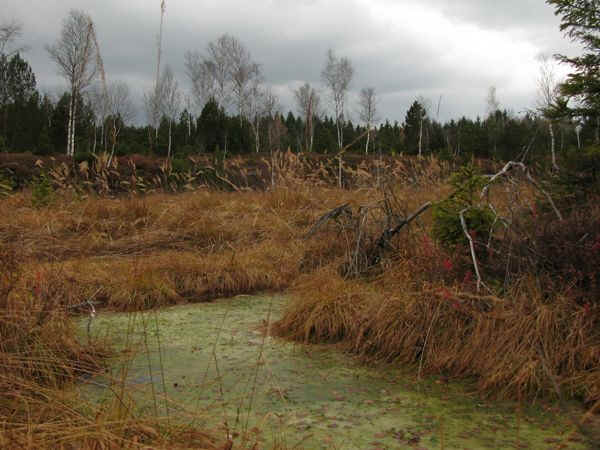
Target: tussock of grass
{"points": [[520, 346]]}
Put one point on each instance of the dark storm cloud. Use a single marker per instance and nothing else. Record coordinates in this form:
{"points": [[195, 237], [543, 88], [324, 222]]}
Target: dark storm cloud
{"points": [[404, 49]]}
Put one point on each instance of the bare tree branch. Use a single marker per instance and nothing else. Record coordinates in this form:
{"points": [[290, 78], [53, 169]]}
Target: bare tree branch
{"points": [[368, 110], [337, 76], [9, 33]]}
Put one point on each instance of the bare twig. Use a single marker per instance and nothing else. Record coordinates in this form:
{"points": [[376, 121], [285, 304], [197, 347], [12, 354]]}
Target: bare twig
{"points": [[88, 302], [472, 247], [509, 166]]}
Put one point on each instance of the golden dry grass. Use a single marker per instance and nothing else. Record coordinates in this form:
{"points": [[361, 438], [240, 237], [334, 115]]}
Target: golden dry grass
{"points": [[136, 253], [127, 254]]}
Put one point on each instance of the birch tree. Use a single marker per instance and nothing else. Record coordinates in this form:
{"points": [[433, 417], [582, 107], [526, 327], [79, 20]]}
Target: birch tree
{"points": [[169, 101], [368, 110], [549, 102], [100, 106], [493, 108], [337, 76], [200, 74], [152, 105], [122, 110], [9, 33], [189, 115], [157, 95], [424, 114], [307, 101], [226, 72], [214, 69], [76, 57], [263, 104], [243, 73]]}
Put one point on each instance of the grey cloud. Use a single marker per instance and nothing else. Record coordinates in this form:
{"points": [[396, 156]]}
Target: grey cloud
{"points": [[290, 37]]}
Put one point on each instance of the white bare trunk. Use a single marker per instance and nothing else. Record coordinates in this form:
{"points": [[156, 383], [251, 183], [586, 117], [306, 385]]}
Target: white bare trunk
{"points": [[340, 135], [421, 137], [95, 138], [339, 126], [257, 136], [368, 138], [69, 124], [552, 145], [114, 139], [73, 122], [169, 149]]}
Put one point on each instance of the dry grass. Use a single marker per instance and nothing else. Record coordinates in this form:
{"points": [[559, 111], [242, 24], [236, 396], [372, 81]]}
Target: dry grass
{"points": [[418, 306], [538, 336], [127, 254]]}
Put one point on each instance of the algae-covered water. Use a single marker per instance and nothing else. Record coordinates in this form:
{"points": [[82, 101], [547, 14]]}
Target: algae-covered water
{"points": [[211, 364]]}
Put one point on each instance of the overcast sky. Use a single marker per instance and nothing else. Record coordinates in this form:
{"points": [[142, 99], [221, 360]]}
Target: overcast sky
{"points": [[455, 49]]}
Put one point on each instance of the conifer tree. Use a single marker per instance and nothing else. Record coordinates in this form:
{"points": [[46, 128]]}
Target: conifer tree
{"points": [[580, 20]]}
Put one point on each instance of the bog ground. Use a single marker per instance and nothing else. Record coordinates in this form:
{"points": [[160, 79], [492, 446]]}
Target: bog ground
{"points": [[377, 293]]}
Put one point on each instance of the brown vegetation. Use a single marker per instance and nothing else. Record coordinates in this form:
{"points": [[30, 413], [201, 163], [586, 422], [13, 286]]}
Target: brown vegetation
{"points": [[534, 335]]}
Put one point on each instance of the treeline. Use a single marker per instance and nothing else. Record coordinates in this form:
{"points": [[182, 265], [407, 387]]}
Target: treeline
{"points": [[32, 122], [36, 123]]}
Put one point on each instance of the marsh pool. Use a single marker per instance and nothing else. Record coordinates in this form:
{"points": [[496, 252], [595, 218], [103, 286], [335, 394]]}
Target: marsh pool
{"points": [[213, 365]]}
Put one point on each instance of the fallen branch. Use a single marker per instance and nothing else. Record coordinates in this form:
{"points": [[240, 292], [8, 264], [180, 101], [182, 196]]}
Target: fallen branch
{"points": [[508, 167], [333, 214], [472, 247], [89, 303], [382, 241]]}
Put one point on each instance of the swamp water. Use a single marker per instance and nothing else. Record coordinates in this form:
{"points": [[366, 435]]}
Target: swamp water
{"points": [[218, 370]]}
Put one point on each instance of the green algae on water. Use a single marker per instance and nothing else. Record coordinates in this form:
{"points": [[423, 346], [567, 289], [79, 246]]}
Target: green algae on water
{"points": [[217, 368]]}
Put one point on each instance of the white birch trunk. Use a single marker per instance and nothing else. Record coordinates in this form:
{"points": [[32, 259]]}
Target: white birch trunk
{"points": [[74, 120], [69, 124], [420, 137], [169, 149], [95, 138], [257, 136], [552, 145]]}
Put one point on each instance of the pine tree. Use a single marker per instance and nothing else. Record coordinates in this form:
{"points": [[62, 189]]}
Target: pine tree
{"points": [[413, 124], [580, 19]]}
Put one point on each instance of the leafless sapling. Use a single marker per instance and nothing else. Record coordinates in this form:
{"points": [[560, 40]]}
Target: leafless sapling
{"points": [[337, 76], [368, 111], [307, 101], [122, 110]]}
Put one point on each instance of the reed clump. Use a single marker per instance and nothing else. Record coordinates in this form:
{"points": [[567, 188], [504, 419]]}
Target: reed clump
{"points": [[530, 328]]}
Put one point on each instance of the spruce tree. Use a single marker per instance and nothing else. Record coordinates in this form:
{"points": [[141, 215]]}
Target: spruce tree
{"points": [[580, 20]]}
